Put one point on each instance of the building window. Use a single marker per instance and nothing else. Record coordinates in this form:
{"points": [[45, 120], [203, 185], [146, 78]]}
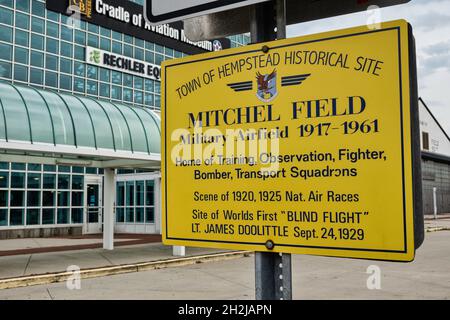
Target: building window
{"points": [[18, 166], [4, 179], [78, 84], [37, 59], [105, 44], [23, 5], [66, 49], [135, 201], [128, 95], [21, 55], [63, 198], [52, 46], [65, 65], [79, 69], [150, 215], [3, 217], [6, 16], [37, 25], [37, 42], [3, 198], [36, 76], [34, 167], [80, 37], [92, 41], [48, 198], [34, 180], [92, 87], [63, 169], [149, 85], [36, 195], [38, 8], [128, 80], [77, 182], [51, 62], [66, 33], [63, 181], [52, 29], [63, 216], [17, 180], [5, 51], [49, 181], [104, 90], [48, 216], [149, 189], [49, 167], [51, 79], [79, 53], [16, 217], [425, 141], [6, 34], [77, 215], [33, 217], [120, 216], [34, 199], [65, 82], [77, 199], [17, 198], [20, 73], [116, 93], [22, 20], [116, 47]]}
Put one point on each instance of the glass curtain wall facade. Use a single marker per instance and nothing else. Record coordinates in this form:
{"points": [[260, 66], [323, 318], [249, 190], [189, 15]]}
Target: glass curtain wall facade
{"points": [[47, 195], [40, 48]]}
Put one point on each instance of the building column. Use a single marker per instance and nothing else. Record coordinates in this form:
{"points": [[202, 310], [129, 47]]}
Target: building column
{"points": [[109, 187], [179, 251], [158, 212]]}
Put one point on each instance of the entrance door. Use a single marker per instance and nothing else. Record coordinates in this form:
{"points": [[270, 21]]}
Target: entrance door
{"points": [[93, 216]]}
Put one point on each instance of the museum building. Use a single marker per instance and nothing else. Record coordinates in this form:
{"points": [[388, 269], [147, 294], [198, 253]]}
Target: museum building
{"points": [[79, 110], [435, 146]]}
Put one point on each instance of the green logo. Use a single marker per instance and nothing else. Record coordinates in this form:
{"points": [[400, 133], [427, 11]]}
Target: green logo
{"points": [[95, 56]]}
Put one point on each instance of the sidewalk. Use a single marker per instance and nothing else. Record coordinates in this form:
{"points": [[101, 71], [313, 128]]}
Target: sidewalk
{"points": [[442, 223], [26, 257], [58, 261], [11, 247]]}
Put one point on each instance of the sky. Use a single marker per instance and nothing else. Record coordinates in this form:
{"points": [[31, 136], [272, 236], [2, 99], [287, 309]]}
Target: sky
{"points": [[430, 20]]}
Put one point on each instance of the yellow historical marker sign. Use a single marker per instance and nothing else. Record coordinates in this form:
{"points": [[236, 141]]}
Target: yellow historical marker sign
{"points": [[302, 145]]}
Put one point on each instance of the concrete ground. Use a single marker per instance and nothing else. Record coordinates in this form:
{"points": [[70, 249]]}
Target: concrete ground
{"points": [[33, 243], [41, 263], [428, 277], [24, 246], [441, 222]]}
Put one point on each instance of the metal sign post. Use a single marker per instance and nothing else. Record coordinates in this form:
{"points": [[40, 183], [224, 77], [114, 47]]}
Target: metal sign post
{"points": [[273, 280], [236, 21], [163, 11], [324, 207]]}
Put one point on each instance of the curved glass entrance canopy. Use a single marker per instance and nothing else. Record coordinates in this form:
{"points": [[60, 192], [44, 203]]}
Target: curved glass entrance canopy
{"points": [[51, 127]]}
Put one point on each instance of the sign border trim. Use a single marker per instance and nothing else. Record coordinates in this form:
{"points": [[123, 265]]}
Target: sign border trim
{"points": [[402, 134]]}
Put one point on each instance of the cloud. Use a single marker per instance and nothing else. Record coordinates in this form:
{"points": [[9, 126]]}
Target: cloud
{"points": [[440, 48], [430, 65], [431, 20], [436, 57]]}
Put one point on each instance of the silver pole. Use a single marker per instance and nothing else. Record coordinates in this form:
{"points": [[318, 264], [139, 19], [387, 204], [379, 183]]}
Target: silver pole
{"points": [[273, 271], [281, 19], [435, 202]]}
